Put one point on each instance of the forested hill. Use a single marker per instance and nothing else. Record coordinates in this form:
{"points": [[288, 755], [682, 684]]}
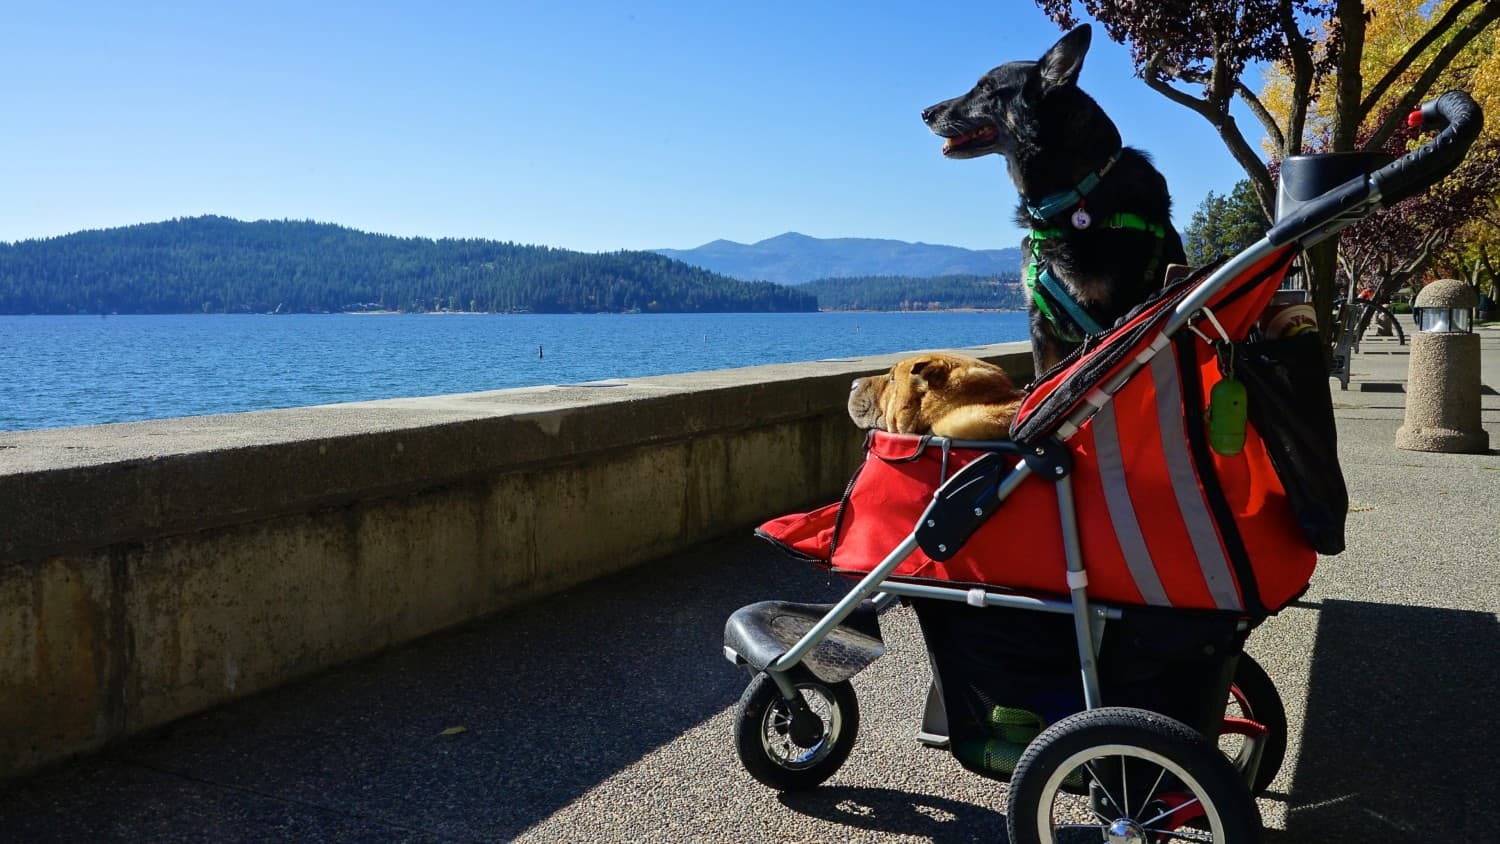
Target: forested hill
{"points": [[220, 265], [904, 293]]}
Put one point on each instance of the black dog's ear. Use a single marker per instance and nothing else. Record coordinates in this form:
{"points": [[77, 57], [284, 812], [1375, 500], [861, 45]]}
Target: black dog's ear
{"points": [[1060, 65]]}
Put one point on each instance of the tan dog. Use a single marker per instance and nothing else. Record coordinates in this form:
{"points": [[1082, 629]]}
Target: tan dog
{"points": [[938, 393]]}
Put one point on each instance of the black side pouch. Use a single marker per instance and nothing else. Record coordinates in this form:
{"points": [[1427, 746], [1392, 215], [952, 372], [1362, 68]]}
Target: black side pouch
{"points": [[1286, 382]]}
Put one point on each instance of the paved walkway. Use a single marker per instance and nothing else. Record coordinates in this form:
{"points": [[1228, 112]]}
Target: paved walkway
{"points": [[603, 714]]}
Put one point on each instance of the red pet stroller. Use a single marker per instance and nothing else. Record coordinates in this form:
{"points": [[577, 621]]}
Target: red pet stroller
{"points": [[1085, 589]]}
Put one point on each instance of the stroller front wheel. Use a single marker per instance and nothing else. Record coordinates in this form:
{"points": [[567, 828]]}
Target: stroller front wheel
{"points": [[787, 759], [1149, 778]]}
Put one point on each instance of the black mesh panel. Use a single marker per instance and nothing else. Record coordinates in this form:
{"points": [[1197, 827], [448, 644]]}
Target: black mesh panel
{"points": [[1291, 408]]}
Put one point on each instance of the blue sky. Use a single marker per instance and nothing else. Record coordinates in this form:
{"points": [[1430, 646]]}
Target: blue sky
{"points": [[585, 125]]}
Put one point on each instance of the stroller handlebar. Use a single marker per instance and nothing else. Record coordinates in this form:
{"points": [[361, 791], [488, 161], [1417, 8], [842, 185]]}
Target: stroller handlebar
{"points": [[1460, 120]]}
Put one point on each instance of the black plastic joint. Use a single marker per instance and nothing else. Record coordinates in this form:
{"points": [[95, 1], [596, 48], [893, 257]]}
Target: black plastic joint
{"points": [[1049, 459]]}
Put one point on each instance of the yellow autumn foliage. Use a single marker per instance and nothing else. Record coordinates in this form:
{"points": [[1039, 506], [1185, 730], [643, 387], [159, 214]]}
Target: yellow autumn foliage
{"points": [[1391, 27]]}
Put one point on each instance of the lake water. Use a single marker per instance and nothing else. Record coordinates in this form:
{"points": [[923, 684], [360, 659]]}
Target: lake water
{"points": [[79, 370]]}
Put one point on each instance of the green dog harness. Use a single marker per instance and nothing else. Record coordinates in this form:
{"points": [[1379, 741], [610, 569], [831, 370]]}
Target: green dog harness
{"points": [[1045, 289]]}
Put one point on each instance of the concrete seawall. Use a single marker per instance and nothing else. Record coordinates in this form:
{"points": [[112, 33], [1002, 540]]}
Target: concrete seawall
{"points": [[151, 570]]}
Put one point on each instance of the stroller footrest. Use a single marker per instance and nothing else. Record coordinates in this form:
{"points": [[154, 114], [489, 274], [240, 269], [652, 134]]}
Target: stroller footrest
{"points": [[759, 633]]}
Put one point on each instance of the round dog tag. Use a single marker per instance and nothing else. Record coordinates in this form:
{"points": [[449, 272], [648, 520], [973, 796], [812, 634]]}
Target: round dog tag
{"points": [[1081, 219]]}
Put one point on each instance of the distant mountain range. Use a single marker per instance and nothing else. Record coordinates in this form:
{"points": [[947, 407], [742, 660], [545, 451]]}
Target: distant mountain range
{"points": [[794, 258]]}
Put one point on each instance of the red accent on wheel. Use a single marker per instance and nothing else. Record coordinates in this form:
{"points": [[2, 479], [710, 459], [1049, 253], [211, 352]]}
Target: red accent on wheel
{"points": [[1243, 727]]}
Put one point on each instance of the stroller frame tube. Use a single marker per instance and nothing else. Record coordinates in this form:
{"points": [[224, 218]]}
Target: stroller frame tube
{"points": [[870, 584], [1088, 646], [976, 596], [1229, 271]]}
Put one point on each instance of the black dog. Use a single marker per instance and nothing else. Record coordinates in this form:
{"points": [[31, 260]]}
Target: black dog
{"points": [[1099, 213]]}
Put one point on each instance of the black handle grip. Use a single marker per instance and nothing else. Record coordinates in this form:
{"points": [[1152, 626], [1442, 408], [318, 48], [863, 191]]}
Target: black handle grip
{"points": [[1460, 119], [1314, 213]]}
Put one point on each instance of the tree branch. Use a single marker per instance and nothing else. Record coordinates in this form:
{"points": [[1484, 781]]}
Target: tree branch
{"points": [[1394, 280], [1461, 39], [1300, 51], [1223, 122], [1257, 108], [1417, 48], [1153, 79], [1489, 267]]}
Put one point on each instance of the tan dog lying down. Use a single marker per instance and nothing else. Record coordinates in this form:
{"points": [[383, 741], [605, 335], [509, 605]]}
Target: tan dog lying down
{"points": [[949, 395]]}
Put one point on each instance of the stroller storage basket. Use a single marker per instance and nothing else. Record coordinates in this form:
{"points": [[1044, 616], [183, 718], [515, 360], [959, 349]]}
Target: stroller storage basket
{"points": [[1004, 675]]}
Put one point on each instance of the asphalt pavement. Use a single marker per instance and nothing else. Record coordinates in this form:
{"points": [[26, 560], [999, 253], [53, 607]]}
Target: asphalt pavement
{"points": [[605, 714]]}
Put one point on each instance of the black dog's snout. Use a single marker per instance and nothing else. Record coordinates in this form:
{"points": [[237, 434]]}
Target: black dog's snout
{"points": [[928, 112]]}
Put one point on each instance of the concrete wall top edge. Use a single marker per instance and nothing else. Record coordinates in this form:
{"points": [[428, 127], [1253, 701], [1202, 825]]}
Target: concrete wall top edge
{"points": [[94, 485], [91, 445]]}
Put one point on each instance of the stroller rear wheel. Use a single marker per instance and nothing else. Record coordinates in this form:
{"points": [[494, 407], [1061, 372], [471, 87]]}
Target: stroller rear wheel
{"points": [[790, 757], [1253, 696], [1151, 779]]}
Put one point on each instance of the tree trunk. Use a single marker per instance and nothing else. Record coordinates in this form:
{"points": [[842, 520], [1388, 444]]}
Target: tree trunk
{"points": [[1350, 84], [1320, 263]]}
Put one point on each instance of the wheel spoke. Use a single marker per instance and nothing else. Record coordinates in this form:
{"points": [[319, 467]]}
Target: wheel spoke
{"points": [[1104, 788], [1152, 793], [1169, 811]]}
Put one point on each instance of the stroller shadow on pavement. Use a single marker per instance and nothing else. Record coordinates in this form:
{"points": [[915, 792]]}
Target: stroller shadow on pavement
{"points": [[1399, 739], [899, 813]]}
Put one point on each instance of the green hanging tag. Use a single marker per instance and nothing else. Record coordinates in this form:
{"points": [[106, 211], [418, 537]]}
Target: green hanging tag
{"points": [[1227, 410]]}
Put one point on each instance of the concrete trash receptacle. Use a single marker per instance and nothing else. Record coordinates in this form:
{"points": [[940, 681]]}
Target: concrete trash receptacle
{"points": [[1442, 383]]}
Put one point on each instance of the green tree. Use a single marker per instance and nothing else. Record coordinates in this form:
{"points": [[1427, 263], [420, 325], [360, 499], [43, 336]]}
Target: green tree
{"points": [[907, 293], [1225, 224]]}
